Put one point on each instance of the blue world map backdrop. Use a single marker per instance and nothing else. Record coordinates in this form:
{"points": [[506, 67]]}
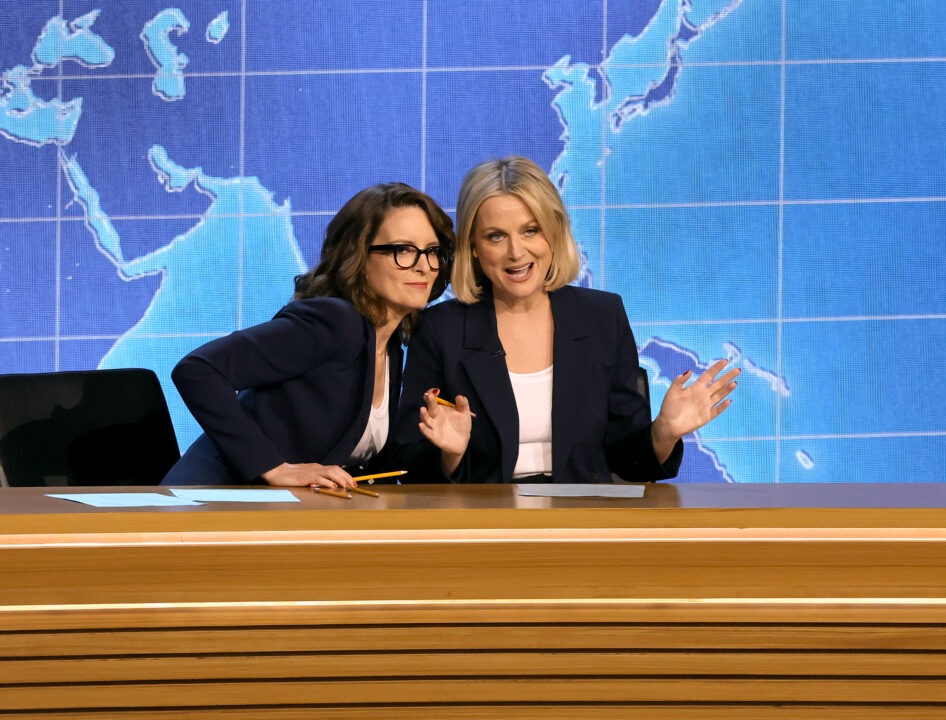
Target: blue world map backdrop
{"points": [[759, 179]]}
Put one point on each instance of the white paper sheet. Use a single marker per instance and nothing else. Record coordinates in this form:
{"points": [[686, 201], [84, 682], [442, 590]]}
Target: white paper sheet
{"points": [[580, 490]]}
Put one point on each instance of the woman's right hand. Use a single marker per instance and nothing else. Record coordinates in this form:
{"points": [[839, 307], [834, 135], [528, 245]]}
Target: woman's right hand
{"points": [[311, 474], [446, 427]]}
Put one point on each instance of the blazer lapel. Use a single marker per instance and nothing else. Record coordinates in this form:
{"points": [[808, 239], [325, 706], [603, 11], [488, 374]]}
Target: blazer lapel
{"points": [[485, 366], [395, 364], [572, 364], [339, 454]]}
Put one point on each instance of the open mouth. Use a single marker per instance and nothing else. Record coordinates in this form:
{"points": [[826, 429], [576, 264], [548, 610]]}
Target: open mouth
{"points": [[520, 272]]}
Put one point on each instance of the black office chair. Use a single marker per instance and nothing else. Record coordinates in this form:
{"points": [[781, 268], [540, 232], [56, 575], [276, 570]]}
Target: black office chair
{"points": [[643, 387], [91, 427]]}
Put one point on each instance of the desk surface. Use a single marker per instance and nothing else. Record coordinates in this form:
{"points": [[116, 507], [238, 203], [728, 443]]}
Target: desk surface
{"points": [[664, 505]]}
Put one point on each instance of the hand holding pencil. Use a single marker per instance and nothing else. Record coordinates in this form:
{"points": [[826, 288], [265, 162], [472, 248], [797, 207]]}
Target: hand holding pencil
{"points": [[447, 403], [447, 425], [344, 492], [377, 476]]}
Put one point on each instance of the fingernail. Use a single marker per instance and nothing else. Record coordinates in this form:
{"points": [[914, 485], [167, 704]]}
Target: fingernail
{"points": [[435, 391]]}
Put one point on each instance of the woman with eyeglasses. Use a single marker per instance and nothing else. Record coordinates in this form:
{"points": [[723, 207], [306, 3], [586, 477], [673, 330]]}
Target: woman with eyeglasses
{"points": [[549, 370], [299, 399]]}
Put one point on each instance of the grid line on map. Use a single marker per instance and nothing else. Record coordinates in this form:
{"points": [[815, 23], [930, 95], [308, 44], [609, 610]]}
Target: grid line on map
{"points": [[803, 319], [424, 69], [610, 206], [57, 317], [781, 248], [423, 102], [636, 323], [822, 436], [598, 281], [241, 223]]}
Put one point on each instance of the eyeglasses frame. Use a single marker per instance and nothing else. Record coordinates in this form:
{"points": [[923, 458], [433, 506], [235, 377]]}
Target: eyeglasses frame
{"points": [[392, 249]]}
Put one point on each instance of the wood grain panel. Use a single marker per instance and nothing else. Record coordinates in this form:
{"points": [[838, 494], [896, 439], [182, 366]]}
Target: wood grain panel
{"points": [[643, 711], [474, 637], [576, 664], [694, 602], [357, 691], [869, 611], [457, 570]]}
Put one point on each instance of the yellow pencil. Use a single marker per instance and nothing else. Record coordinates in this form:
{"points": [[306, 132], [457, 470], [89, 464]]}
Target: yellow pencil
{"points": [[334, 493], [371, 478], [450, 404], [362, 491]]}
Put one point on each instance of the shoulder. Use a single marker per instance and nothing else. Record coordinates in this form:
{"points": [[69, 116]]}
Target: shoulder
{"points": [[327, 321], [443, 315], [448, 308], [335, 313], [589, 300], [440, 327], [595, 314]]}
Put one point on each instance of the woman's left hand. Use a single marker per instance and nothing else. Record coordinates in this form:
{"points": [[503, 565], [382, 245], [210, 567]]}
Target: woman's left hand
{"points": [[686, 409], [448, 427]]}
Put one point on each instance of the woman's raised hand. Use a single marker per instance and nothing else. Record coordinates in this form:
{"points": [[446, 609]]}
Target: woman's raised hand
{"points": [[446, 427], [312, 474], [686, 409]]}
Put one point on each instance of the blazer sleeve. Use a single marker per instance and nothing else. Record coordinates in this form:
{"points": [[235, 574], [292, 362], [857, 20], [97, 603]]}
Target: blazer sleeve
{"points": [[628, 444], [423, 370], [302, 336]]}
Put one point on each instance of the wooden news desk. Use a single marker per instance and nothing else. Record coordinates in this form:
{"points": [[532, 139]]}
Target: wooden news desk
{"points": [[696, 601]]}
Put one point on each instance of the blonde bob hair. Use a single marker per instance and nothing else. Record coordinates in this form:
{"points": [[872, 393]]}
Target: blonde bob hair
{"points": [[522, 178]]}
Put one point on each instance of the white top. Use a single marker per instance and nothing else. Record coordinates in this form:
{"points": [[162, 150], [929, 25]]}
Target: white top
{"points": [[376, 431], [533, 393]]}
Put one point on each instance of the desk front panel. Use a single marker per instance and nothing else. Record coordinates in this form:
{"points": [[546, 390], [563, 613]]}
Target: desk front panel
{"points": [[472, 602]]}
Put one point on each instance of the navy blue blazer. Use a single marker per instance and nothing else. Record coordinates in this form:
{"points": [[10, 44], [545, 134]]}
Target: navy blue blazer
{"points": [[600, 423], [306, 380]]}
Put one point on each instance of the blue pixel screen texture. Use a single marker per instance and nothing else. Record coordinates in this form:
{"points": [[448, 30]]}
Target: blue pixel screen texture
{"points": [[763, 180]]}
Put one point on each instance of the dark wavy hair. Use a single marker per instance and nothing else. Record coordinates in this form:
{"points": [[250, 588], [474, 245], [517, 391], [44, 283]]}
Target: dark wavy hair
{"points": [[341, 269]]}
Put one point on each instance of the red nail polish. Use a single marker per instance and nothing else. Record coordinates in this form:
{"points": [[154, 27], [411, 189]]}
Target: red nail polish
{"points": [[435, 391]]}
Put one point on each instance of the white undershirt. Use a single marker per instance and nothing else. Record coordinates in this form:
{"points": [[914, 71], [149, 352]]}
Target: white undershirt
{"points": [[376, 431], [533, 393]]}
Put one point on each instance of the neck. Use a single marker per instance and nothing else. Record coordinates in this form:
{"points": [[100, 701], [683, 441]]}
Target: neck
{"points": [[384, 332], [538, 302]]}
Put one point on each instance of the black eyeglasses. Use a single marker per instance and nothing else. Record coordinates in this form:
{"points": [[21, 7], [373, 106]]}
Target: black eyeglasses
{"points": [[406, 256]]}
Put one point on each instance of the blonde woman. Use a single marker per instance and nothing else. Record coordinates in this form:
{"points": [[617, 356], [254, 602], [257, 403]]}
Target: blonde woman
{"points": [[549, 370]]}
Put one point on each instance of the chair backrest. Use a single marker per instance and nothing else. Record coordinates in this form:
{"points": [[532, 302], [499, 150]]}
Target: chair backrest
{"points": [[91, 427], [643, 386]]}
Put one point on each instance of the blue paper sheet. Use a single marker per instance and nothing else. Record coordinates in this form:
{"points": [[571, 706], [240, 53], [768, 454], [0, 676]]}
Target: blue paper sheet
{"points": [[126, 499], [265, 495]]}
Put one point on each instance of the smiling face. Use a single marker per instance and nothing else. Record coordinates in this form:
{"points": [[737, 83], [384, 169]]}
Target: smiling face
{"points": [[402, 290], [511, 248]]}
